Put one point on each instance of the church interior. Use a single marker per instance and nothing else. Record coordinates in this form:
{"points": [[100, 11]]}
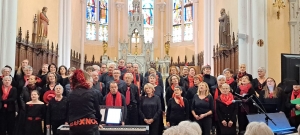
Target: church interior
{"points": [[219, 34]]}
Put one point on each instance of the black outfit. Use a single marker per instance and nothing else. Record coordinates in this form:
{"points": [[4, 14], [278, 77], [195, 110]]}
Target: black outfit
{"points": [[245, 109], [26, 95], [210, 80], [227, 113], [56, 113], [83, 104], [100, 87], [202, 106], [98, 95], [186, 82], [132, 108], [121, 84], [181, 82], [258, 86], [176, 113], [215, 93], [150, 108], [7, 114], [273, 105], [294, 120], [249, 75], [34, 115], [105, 78], [43, 82], [123, 104], [233, 86], [47, 88], [160, 82], [189, 96], [169, 93]]}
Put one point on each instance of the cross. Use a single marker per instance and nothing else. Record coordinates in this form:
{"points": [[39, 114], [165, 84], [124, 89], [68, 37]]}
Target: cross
{"points": [[168, 36]]}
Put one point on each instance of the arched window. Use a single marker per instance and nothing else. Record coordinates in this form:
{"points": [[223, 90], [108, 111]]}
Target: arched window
{"points": [[97, 20], [182, 20], [148, 12]]}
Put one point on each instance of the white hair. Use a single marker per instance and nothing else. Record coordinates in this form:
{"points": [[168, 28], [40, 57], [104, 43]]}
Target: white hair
{"points": [[262, 69], [112, 64], [96, 67], [7, 77], [61, 87], [258, 128], [221, 77], [5, 68], [28, 67], [191, 125], [129, 74]]}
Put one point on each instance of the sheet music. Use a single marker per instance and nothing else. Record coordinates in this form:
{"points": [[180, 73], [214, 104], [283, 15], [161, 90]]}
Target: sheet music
{"points": [[114, 116]]}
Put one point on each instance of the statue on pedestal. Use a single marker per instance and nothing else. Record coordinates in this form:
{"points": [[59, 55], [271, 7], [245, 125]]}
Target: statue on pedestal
{"points": [[223, 28], [43, 26], [167, 47], [105, 46]]}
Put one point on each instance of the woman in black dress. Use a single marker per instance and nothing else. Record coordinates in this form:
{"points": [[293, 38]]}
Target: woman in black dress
{"points": [[83, 105], [260, 82], [246, 90], [202, 108], [226, 111], [209, 79], [62, 71], [150, 110], [174, 81], [57, 110], [35, 113], [8, 98], [192, 91], [272, 97], [178, 108]]}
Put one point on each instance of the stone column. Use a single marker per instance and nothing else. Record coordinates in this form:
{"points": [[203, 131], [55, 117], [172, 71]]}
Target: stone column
{"points": [[83, 31], [119, 6], [259, 52], [294, 26], [8, 32], [242, 31], [195, 25], [161, 7], [65, 33], [209, 33]]}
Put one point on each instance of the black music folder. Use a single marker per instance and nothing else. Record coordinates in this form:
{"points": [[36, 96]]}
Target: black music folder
{"points": [[282, 124]]}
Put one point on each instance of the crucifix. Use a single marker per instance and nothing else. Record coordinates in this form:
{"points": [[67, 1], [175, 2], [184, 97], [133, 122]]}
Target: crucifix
{"points": [[168, 36], [136, 36], [167, 44]]}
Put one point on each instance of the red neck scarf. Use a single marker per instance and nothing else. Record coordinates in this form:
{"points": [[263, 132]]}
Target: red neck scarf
{"points": [[109, 99], [226, 99], [240, 74], [136, 81], [216, 94], [156, 80], [230, 80], [117, 81], [26, 80], [5, 93], [244, 88], [191, 81], [295, 95], [180, 101], [173, 87], [121, 67], [109, 73], [271, 95]]}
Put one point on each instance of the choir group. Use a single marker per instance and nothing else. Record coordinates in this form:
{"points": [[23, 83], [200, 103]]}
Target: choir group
{"points": [[34, 104]]}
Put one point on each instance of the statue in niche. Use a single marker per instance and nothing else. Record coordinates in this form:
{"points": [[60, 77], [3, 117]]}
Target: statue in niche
{"points": [[105, 46], [223, 28], [43, 25]]}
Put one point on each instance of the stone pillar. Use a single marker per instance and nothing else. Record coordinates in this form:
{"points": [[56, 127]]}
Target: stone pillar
{"points": [[259, 26], [195, 25], [294, 26], [161, 7], [65, 33], [8, 32], [242, 31], [83, 31], [209, 33], [119, 6]]}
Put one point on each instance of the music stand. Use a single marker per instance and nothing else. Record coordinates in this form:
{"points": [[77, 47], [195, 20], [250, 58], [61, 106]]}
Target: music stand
{"points": [[282, 124], [114, 115]]}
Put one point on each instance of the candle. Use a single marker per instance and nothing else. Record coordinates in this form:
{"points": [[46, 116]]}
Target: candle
{"points": [[115, 59], [156, 58]]}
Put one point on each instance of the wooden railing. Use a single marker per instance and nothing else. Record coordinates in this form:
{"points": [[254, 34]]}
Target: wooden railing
{"points": [[227, 58], [75, 59], [179, 63], [36, 56]]}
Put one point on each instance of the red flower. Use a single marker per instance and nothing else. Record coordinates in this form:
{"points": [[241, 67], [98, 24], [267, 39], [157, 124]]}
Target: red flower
{"points": [[30, 105], [206, 99]]}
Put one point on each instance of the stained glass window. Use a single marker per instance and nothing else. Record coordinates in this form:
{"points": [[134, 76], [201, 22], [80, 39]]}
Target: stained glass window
{"points": [[148, 12], [97, 20], [182, 20]]}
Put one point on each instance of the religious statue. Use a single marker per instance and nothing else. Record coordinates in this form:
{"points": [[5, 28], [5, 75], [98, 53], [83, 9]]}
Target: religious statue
{"points": [[167, 47], [103, 11], [223, 28], [105, 46], [43, 25]]}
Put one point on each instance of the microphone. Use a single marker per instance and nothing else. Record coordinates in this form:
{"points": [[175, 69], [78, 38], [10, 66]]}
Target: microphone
{"points": [[237, 101]]}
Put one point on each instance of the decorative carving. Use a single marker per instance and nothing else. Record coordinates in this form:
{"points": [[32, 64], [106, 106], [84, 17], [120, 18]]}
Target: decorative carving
{"points": [[105, 46], [224, 30], [260, 42], [34, 32]]}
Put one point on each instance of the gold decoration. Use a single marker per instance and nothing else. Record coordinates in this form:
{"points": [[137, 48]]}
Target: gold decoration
{"points": [[136, 36], [280, 4], [105, 46], [167, 44], [260, 43]]}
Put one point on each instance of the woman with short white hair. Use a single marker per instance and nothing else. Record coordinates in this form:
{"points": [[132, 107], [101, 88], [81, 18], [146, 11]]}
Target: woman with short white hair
{"points": [[258, 128]]}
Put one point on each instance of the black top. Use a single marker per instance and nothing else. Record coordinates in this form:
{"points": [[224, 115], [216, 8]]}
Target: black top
{"points": [[273, 105], [47, 88], [105, 78], [121, 84], [177, 113], [57, 110], [10, 101], [65, 81], [201, 106], [214, 88], [258, 86], [233, 86], [160, 93], [98, 95], [123, 104], [169, 93], [210, 80], [150, 108], [250, 108], [134, 95], [35, 110], [100, 87], [160, 82], [82, 103], [191, 93], [26, 95], [226, 112]]}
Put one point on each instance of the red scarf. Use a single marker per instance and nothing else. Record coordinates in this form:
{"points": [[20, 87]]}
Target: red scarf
{"points": [[26, 80], [240, 74], [5, 93], [180, 101], [121, 67], [230, 80], [117, 81], [191, 81], [156, 80], [173, 87], [215, 98], [226, 99], [271, 95], [244, 88], [137, 83], [109, 99], [295, 93], [109, 73]]}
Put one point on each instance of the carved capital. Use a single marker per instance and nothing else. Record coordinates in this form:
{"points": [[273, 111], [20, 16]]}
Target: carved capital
{"points": [[161, 6], [119, 5], [195, 1]]}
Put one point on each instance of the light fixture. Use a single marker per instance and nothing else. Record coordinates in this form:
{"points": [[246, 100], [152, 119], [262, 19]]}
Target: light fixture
{"points": [[279, 4]]}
